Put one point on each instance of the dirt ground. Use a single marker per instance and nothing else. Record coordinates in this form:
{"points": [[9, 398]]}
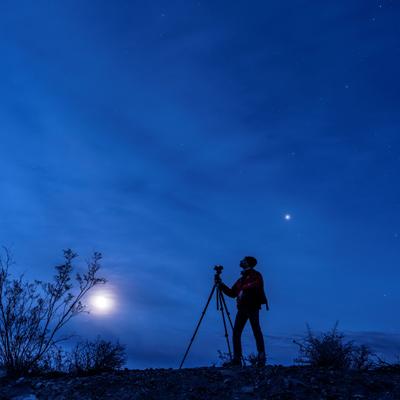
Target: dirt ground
{"points": [[271, 382]]}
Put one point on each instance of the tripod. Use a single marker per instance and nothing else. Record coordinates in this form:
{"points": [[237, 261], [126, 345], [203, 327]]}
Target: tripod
{"points": [[221, 306]]}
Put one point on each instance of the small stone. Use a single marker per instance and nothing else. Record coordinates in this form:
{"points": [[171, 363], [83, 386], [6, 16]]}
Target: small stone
{"points": [[247, 389], [285, 383], [30, 396], [228, 372], [296, 382]]}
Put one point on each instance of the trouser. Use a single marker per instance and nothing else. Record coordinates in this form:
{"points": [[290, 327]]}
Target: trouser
{"points": [[241, 318]]}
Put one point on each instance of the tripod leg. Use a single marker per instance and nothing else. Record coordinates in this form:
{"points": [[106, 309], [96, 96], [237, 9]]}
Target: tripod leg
{"points": [[226, 309], [222, 299], [219, 293], [198, 326]]}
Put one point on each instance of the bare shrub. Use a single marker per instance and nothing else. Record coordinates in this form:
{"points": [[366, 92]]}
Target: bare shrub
{"points": [[223, 357], [383, 365], [32, 314], [55, 361], [362, 357], [329, 350], [97, 356], [252, 359]]}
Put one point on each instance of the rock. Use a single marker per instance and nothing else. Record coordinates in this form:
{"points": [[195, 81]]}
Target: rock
{"points": [[228, 372], [247, 389], [30, 396], [295, 382], [286, 383]]}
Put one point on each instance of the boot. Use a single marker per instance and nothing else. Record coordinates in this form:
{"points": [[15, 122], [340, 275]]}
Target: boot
{"points": [[261, 360], [235, 362]]}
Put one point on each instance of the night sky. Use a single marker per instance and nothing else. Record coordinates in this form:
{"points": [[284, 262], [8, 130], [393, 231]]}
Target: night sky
{"points": [[176, 135]]}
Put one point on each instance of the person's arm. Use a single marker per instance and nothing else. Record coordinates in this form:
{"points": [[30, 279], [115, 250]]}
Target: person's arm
{"points": [[265, 295], [231, 292], [266, 302], [256, 283]]}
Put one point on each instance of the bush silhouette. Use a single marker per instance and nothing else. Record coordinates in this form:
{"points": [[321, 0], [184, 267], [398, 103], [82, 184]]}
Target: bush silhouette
{"points": [[32, 314], [97, 356], [329, 350], [252, 359]]}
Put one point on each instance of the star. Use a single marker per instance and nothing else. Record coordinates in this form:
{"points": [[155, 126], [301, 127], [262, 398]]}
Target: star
{"points": [[288, 217]]}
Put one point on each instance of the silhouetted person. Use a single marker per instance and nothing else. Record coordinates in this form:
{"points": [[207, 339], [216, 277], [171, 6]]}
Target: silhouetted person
{"points": [[250, 295]]}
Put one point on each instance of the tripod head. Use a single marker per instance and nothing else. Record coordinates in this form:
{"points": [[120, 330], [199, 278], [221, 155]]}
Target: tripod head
{"points": [[218, 271]]}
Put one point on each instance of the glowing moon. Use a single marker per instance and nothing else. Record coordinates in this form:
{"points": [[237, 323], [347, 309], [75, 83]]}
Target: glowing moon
{"points": [[102, 303], [288, 217]]}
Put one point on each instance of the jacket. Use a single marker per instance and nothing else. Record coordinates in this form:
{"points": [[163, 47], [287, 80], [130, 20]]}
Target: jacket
{"points": [[248, 290]]}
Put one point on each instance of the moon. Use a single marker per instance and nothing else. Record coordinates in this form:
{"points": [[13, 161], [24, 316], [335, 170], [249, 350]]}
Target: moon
{"points": [[288, 217], [102, 303]]}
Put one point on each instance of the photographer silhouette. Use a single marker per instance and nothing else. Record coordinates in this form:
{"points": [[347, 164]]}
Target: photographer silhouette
{"points": [[250, 295]]}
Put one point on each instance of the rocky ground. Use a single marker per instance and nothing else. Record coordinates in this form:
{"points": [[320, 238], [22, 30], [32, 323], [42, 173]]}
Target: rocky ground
{"points": [[272, 382]]}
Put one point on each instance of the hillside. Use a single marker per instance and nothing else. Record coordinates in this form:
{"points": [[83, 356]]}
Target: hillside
{"points": [[272, 382]]}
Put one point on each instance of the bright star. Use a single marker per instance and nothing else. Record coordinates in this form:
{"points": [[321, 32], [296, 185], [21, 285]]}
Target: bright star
{"points": [[288, 217]]}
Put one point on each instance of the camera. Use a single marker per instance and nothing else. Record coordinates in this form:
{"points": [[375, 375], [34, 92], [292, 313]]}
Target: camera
{"points": [[218, 269]]}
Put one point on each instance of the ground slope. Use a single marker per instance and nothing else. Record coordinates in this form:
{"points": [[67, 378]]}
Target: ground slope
{"points": [[272, 382]]}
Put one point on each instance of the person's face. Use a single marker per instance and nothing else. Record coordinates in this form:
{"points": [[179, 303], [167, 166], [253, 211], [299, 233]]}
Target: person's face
{"points": [[243, 264]]}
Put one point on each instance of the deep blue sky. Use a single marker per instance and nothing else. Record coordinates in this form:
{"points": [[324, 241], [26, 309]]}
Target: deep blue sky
{"points": [[174, 135]]}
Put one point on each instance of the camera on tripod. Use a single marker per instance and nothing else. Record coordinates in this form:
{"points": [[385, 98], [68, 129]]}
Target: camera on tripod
{"points": [[221, 306], [218, 271]]}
